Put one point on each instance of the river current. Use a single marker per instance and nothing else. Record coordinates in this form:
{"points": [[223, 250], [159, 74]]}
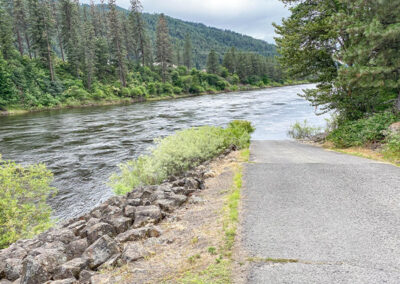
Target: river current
{"points": [[83, 146]]}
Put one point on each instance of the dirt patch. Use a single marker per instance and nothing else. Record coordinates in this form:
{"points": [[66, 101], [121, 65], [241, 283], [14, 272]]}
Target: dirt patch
{"points": [[191, 235]]}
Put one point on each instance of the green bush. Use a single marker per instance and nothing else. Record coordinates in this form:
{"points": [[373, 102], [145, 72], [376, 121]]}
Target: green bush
{"points": [[23, 194], [178, 153], [363, 131], [303, 130], [391, 150]]}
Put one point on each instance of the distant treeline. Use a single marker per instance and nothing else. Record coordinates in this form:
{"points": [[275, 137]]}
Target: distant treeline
{"points": [[55, 53]]}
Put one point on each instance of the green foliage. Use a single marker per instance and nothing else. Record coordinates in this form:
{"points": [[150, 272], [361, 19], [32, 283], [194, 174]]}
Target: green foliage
{"points": [[180, 152], [303, 130], [363, 131], [335, 44], [391, 149], [23, 195]]}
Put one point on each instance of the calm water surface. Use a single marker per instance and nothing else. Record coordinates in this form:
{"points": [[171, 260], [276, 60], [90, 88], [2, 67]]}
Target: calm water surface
{"points": [[84, 146]]}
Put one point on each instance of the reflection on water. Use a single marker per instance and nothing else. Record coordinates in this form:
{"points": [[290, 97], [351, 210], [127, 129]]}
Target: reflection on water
{"points": [[84, 146]]}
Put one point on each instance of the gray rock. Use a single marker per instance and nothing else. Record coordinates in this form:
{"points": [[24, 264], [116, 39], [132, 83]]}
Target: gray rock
{"points": [[191, 183], [196, 200], [77, 227], [129, 211], [100, 251], [76, 248], [12, 268], [98, 230], [183, 190], [85, 275], [40, 268], [70, 269], [18, 281], [167, 205], [147, 214], [112, 262], [63, 281], [139, 234], [133, 252], [101, 279], [178, 199], [395, 127], [120, 224], [135, 202], [5, 281]]}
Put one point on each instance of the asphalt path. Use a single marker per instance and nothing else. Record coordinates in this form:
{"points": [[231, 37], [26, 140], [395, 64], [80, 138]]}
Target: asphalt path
{"points": [[317, 216]]}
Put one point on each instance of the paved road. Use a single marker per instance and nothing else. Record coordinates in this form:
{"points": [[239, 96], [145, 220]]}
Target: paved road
{"points": [[337, 215]]}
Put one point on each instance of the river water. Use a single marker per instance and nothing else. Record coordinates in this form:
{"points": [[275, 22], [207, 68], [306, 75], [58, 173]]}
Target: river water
{"points": [[84, 146]]}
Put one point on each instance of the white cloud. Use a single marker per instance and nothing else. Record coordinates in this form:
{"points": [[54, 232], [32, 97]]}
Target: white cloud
{"points": [[251, 17]]}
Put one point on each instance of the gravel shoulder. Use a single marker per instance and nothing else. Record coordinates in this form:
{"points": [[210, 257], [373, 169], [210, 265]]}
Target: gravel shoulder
{"points": [[316, 216]]}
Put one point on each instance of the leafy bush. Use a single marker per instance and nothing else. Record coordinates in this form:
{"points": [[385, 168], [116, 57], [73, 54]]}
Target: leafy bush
{"points": [[180, 152], [391, 150], [303, 130], [363, 131], [23, 194]]}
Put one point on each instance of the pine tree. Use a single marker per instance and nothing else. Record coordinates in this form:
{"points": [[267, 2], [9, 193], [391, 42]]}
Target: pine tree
{"points": [[70, 25], [6, 34], [138, 30], [117, 49], [41, 30], [164, 51], [213, 62], [187, 53], [372, 57], [178, 56], [90, 47], [7, 90], [229, 61], [57, 19]]}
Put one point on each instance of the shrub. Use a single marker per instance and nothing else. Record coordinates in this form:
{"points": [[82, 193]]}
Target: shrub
{"points": [[196, 89], [23, 194], [391, 150], [76, 93], [177, 90], [303, 130], [363, 131], [178, 153]]}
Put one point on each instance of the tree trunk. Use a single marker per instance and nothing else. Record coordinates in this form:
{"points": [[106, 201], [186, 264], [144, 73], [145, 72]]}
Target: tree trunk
{"points": [[20, 46], [28, 45], [398, 103], [49, 58]]}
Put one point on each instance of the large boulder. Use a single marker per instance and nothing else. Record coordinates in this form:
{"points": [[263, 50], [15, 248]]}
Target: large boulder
{"points": [[147, 214], [40, 268], [99, 230], [139, 234], [76, 248], [70, 269], [12, 268], [120, 223], [100, 251], [85, 275], [64, 281], [395, 127], [133, 252]]}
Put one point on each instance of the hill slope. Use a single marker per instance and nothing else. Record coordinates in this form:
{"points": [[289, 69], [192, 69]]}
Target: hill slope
{"points": [[205, 38]]}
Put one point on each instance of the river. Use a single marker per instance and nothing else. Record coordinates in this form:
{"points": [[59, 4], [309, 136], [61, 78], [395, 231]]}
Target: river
{"points": [[83, 146]]}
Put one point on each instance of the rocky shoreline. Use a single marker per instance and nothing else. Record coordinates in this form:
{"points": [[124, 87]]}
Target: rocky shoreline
{"points": [[106, 237]]}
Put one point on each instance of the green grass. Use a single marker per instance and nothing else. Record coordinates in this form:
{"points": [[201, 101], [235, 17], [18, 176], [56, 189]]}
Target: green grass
{"points": [[221, 271], [180, 152]]}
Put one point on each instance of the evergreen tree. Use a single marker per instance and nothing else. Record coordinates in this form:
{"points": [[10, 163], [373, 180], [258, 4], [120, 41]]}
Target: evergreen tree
{"points": [[139, 35], [213, 62], [57, 19], [164, 51], [102, 69], [229, 61], [178, 56], [41, 30], [90, 47], [187, 53], [70, 25], [117, 49], [6, 34], [7, 90], [372, 69]]}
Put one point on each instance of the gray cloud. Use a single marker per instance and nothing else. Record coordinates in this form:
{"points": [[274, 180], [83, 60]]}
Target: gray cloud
{"points": [[251, 17]]}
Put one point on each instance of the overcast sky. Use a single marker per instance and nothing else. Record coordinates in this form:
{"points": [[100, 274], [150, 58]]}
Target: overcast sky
{"points": [[251, 17]]}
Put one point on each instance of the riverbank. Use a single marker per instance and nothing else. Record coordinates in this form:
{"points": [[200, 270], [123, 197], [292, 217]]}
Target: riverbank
{"points": [[127, 101]]}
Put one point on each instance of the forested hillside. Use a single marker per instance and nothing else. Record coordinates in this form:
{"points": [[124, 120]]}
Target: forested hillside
{"points": [[206, 38], [60, 53]]}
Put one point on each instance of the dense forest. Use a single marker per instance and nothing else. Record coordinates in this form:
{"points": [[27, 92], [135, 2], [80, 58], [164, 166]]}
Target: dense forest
{"points": [[61, 53]]}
